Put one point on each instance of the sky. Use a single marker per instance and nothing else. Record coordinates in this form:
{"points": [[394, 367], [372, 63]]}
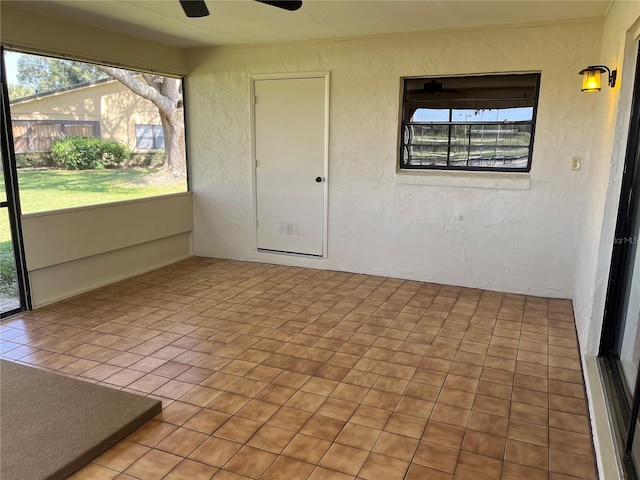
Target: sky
{"points": [[11, 64], [467, 115]]}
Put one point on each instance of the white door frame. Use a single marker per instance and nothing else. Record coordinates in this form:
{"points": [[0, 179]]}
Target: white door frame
{"points": [[254, 183]]}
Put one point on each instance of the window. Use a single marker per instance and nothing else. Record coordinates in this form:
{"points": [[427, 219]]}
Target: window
{"points": [[39, 135], [82, 136], [469, 123], [149, 137]]}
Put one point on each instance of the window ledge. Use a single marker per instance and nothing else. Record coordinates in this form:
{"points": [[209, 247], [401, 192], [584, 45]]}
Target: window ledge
{"points": [[96, 206], [495, 180]]}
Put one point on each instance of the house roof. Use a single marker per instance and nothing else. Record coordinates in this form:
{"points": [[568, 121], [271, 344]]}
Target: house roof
{"points": [[238, 22], [58, 91]]}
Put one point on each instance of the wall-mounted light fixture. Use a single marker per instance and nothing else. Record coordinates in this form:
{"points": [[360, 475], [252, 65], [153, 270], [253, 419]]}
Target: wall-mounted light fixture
{"points": [[591, 77]]}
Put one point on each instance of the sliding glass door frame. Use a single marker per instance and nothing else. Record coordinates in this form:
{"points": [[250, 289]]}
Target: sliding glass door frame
{"points": [[624, 404], [12, 203]]}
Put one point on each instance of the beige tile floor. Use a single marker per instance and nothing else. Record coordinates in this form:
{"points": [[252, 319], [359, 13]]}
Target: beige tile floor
{"points": [[280, 373]]}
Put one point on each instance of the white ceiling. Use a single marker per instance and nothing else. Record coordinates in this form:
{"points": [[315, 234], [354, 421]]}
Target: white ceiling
{"points": [[238, 22]]}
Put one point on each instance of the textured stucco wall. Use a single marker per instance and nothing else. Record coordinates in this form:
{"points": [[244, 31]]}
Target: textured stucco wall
{"points": [[611, 113], [516, 240]]}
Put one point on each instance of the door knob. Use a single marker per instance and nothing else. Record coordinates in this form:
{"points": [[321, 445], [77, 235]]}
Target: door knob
{"points": [[318, 179]]}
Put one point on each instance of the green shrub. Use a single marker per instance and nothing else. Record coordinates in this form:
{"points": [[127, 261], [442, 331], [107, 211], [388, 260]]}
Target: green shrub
{"points": [[83, 153], [8, 286], [34, 159]]}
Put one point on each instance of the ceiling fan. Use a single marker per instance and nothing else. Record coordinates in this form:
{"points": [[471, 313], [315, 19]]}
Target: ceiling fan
{"points": [[198, 8]]}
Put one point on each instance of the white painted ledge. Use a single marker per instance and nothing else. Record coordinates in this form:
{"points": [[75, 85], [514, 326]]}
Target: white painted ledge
{"points": [[495, 180]]}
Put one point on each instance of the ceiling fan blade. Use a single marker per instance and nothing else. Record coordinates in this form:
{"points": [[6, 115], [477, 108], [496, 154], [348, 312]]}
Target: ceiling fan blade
{"points": [[290, 5], [194, 8]]}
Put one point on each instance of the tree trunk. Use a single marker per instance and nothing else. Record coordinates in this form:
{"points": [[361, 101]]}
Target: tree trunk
{"points": [[175, 161]]}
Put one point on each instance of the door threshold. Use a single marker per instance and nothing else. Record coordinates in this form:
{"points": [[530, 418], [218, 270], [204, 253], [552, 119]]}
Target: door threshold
{"points": [[292, 254]]}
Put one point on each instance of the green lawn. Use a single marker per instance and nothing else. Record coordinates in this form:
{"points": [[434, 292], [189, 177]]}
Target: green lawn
{"points": [[54, 189]]}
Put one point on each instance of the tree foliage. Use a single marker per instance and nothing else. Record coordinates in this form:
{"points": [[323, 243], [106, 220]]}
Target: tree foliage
{"points": [[19, 91], [44, 74]]}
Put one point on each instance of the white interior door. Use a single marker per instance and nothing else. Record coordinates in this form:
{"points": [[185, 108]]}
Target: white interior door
{"points": [[290, 143]]}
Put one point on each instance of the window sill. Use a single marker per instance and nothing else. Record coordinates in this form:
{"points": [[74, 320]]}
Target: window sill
{"points": [[448, 178], [96, 206]]}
